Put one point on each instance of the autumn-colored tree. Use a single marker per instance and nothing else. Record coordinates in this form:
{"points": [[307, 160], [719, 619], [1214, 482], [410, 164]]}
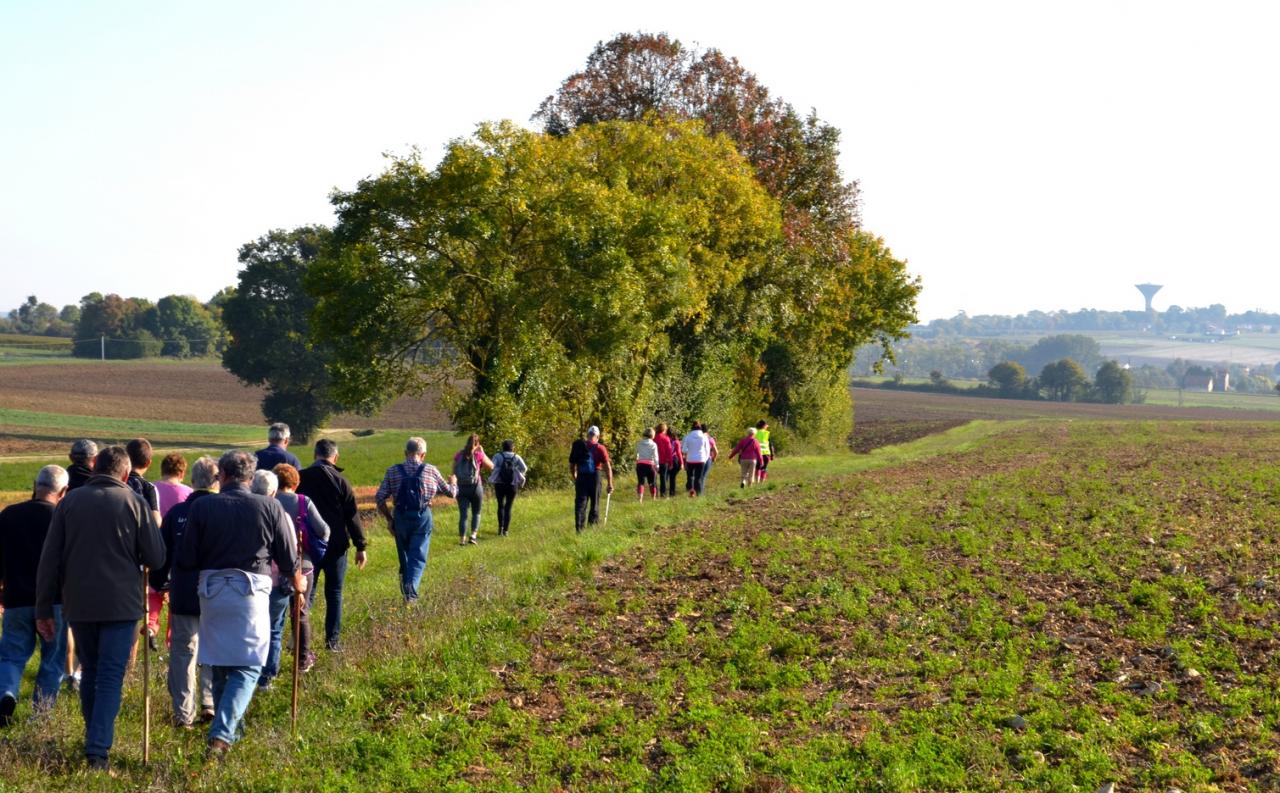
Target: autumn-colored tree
{"points": [[828, 268]]}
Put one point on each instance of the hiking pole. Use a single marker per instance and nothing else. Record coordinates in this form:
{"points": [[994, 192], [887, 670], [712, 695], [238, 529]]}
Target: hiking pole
{"points": [[146, 675], [608, 499], [297, 663]]}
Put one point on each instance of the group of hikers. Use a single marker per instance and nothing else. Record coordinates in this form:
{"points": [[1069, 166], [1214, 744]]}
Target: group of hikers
{"points": [[99, 548]]}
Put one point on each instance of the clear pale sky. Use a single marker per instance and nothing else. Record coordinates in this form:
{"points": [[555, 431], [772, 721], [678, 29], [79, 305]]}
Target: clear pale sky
{"points": [[1019, 155]]}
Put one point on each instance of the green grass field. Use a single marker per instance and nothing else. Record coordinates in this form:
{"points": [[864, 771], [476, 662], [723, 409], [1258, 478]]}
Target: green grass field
{"points": [[1041, 605], [363, 458]]}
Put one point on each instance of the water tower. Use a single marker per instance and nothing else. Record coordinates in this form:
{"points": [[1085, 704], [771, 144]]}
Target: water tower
{"points": [[1149, 291]]}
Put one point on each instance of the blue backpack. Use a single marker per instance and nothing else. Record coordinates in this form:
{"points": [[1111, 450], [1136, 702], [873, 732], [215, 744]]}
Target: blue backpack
{"points": [[583, 458], [409, 498]]}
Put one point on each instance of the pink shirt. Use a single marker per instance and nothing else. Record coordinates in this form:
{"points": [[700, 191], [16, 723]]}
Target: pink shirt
{"points": [[748, 448], [170, 495]]}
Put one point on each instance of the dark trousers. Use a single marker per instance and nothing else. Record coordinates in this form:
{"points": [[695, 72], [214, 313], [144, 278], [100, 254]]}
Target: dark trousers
{"points": [[334, 570], [586, 500], [505, 496], [693, 477], [667, 479]]}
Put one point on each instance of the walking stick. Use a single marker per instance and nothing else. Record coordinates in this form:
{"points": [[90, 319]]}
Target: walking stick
{"points": [[297, 663], [297, 637], [146, 676], [608, 499]]}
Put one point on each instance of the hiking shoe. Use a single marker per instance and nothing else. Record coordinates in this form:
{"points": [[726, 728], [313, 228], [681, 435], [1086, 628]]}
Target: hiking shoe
{"points": [[308, 662], [462, 541], [73, 683], [473, 540], [152, 643], [98, 764], [206, 715], [178, 724], [7, 705], [264, 683], [333, 646], [217, 750]]}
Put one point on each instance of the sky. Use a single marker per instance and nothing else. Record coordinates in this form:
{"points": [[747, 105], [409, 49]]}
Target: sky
{"points": [[1018, 155]]}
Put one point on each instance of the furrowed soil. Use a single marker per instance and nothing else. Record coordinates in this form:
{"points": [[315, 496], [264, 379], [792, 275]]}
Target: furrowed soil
{"points": [[196, 391], [1062, 607], [884, 417]]}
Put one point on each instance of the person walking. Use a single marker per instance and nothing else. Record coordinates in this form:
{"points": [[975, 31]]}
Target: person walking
{"points": [[140, 454], [169, 492], [190, 684], [509, 475], [766, 450], [99, 536], [23, 528], [310, 526], [277, 450], [747, 450], [411, 485], [586, 458], [323, 483], [697, 450], [666, 453], [711, 457], [82, 456], [468, 467], [646, 464], [231, 541]]}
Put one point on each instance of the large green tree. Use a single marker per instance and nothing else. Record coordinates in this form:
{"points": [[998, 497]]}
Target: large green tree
{"points": [[544, 276], [831, 287], [1113, 383], [268, 321], [1064, 380]]}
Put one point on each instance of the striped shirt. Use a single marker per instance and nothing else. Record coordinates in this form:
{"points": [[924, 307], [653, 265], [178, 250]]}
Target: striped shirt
{"points": [[432, 482]]}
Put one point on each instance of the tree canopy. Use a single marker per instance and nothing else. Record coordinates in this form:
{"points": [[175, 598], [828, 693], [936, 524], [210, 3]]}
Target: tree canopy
{"points": [[548, 274], [268, 319]]}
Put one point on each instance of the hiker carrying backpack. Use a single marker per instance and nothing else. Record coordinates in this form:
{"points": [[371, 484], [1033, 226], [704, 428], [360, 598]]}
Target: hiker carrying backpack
{"points": [[467, 465], [509, 475]]}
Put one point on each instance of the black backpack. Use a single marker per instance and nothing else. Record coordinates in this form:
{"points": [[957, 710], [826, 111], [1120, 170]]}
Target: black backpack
{"points": [[507, 471], [409, 494]]}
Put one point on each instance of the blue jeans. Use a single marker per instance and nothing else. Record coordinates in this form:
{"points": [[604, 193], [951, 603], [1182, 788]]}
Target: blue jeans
{"points": [[103, 649], [18, 642], [233, 688], [334, 569], [277, 607], [413, 544], [469, 500]]}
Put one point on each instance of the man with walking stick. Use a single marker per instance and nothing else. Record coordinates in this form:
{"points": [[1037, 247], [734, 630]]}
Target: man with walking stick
{"points": [[100, 535], [586, 458]]}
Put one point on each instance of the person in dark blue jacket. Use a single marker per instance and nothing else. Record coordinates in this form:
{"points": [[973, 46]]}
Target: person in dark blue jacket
{"points": [[277, 450]]}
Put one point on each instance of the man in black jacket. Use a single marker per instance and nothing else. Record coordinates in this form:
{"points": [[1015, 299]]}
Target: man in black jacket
{"points": [[230, 542], [324, 484], [99, 537], [23, 528], [185, 675], [82, 455]]}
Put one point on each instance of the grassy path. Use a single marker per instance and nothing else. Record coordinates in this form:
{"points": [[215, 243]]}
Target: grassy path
{"points": [[405, 673]]}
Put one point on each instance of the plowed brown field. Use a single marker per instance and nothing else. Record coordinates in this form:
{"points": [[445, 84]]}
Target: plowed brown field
{"points": [[883, 417], [197, 392]]}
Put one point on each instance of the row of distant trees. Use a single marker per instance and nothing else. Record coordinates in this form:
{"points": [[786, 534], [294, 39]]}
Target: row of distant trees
{"points": [[1063, 380], [1174, 319], [973, 359], [127, 327]]}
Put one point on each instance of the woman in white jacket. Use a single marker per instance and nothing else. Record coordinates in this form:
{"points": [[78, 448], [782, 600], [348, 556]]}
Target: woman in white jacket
{"points": [[647, 465]]}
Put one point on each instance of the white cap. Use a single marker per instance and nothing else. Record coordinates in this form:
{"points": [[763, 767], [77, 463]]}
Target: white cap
{"points": [[593, 430]]}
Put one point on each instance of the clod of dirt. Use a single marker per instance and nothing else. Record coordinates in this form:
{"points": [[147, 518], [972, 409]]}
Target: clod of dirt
{"points": [[1014, 723]]}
